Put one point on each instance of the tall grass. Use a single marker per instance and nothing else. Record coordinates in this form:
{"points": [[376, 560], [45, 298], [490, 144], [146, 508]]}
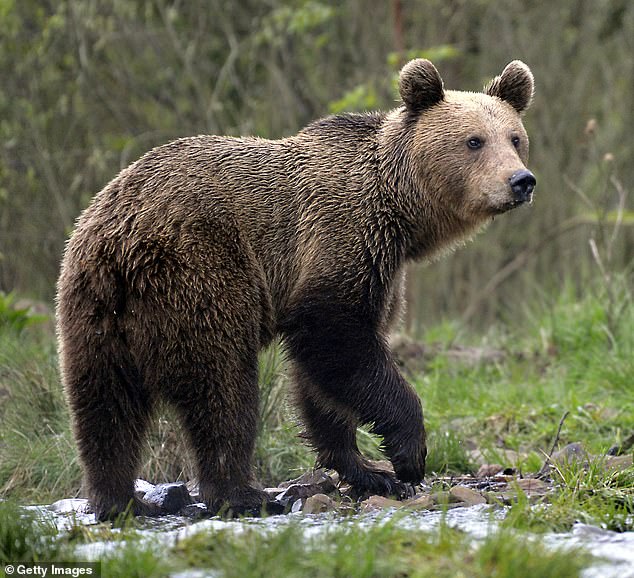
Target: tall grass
{"points": [[37, 456]]}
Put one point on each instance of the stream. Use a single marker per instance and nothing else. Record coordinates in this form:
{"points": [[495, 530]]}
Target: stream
{"points": [[613, 551]]}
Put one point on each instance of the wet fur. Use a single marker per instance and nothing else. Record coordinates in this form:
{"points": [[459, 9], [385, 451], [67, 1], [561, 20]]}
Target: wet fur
{"points": [[196, 256]]}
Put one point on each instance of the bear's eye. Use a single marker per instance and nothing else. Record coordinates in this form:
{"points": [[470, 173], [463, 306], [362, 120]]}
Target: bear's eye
{"points": [[516, 141], [474, 143]]}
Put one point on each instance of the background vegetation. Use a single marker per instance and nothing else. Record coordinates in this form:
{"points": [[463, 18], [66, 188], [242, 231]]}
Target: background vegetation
{"points": [[89, 85]]}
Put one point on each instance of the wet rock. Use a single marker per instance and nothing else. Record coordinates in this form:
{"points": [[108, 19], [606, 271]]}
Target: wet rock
{"points": [[420, 502], [193, 487], [195, 511], [374, 503], [142, 487], [445, 497], [319, 478], [318, 504], [170, 498], [296, 492], [274, 492], [618, 463], [302, 488], [467, 495], [70, 505], [489, 470], [533, 486], [496, 498], [572, 453]]}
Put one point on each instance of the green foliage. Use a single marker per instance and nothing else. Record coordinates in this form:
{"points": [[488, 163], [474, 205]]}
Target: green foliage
{"points": [[437, 54], [511, 555], [279, 453], [558, 358], [15, 316], [447, 453], [360, 98], [297, 18]]}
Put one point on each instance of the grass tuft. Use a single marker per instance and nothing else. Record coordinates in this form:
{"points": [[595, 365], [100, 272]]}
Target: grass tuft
{"points": [[25, 537]]}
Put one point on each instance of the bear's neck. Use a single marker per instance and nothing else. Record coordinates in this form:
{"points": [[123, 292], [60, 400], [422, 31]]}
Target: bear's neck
{"points": [[429, 229]]}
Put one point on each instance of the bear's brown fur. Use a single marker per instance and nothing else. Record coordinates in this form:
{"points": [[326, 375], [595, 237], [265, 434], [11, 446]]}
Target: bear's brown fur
{"points": [[194, 257]]}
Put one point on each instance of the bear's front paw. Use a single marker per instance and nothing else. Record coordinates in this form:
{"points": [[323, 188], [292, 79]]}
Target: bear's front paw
{"points": [[410, 468], [377, 480]]}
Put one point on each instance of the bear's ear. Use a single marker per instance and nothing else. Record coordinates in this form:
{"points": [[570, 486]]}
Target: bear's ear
{"points": [[515, 85], [420, 85]]}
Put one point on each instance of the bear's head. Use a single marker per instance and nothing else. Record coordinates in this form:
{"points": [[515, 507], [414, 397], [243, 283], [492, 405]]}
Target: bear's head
{"points": [[469, 150]]}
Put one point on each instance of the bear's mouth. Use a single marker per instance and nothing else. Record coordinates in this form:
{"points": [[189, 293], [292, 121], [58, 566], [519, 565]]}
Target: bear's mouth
{"points": [[511, 204]]}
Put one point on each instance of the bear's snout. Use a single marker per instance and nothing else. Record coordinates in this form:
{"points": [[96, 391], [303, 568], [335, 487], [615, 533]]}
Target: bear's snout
{"points": [[522, 185]]}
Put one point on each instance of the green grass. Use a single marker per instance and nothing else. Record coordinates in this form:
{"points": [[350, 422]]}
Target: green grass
{"points": [[37, 455], [563, 358], [377, 549], [589, 493], [26, 538]]}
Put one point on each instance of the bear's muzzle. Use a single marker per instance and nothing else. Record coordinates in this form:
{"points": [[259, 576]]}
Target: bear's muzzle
{"points": [[522, 185]]}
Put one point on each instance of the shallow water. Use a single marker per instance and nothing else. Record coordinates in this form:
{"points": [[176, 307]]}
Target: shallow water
{"points": [[614, 551]]}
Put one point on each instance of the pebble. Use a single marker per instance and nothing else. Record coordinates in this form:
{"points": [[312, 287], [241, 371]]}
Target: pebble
{"points": [[489, 470], [374, 503], [318, 504], [467, 495], [572, 453], [70, 505]]}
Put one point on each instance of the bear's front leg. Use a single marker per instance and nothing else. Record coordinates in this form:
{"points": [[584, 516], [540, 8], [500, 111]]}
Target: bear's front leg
{"points": [[346, 376]]}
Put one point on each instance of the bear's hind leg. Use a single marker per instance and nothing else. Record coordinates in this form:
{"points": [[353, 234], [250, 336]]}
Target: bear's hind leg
{"points": [[217, 401], [110, 416]]}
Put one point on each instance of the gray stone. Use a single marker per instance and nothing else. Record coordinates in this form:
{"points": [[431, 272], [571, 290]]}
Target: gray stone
{"points": [[318, 478], [70, 505], [572, 453], [467, 495], [169, 497], [196, 510], [319, 503]]}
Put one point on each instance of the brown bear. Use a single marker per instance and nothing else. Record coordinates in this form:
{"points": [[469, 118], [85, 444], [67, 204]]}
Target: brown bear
{"points": [[200, 253]]}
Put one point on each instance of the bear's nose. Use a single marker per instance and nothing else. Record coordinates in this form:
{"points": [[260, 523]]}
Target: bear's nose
{"points": [[522, 184]]}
